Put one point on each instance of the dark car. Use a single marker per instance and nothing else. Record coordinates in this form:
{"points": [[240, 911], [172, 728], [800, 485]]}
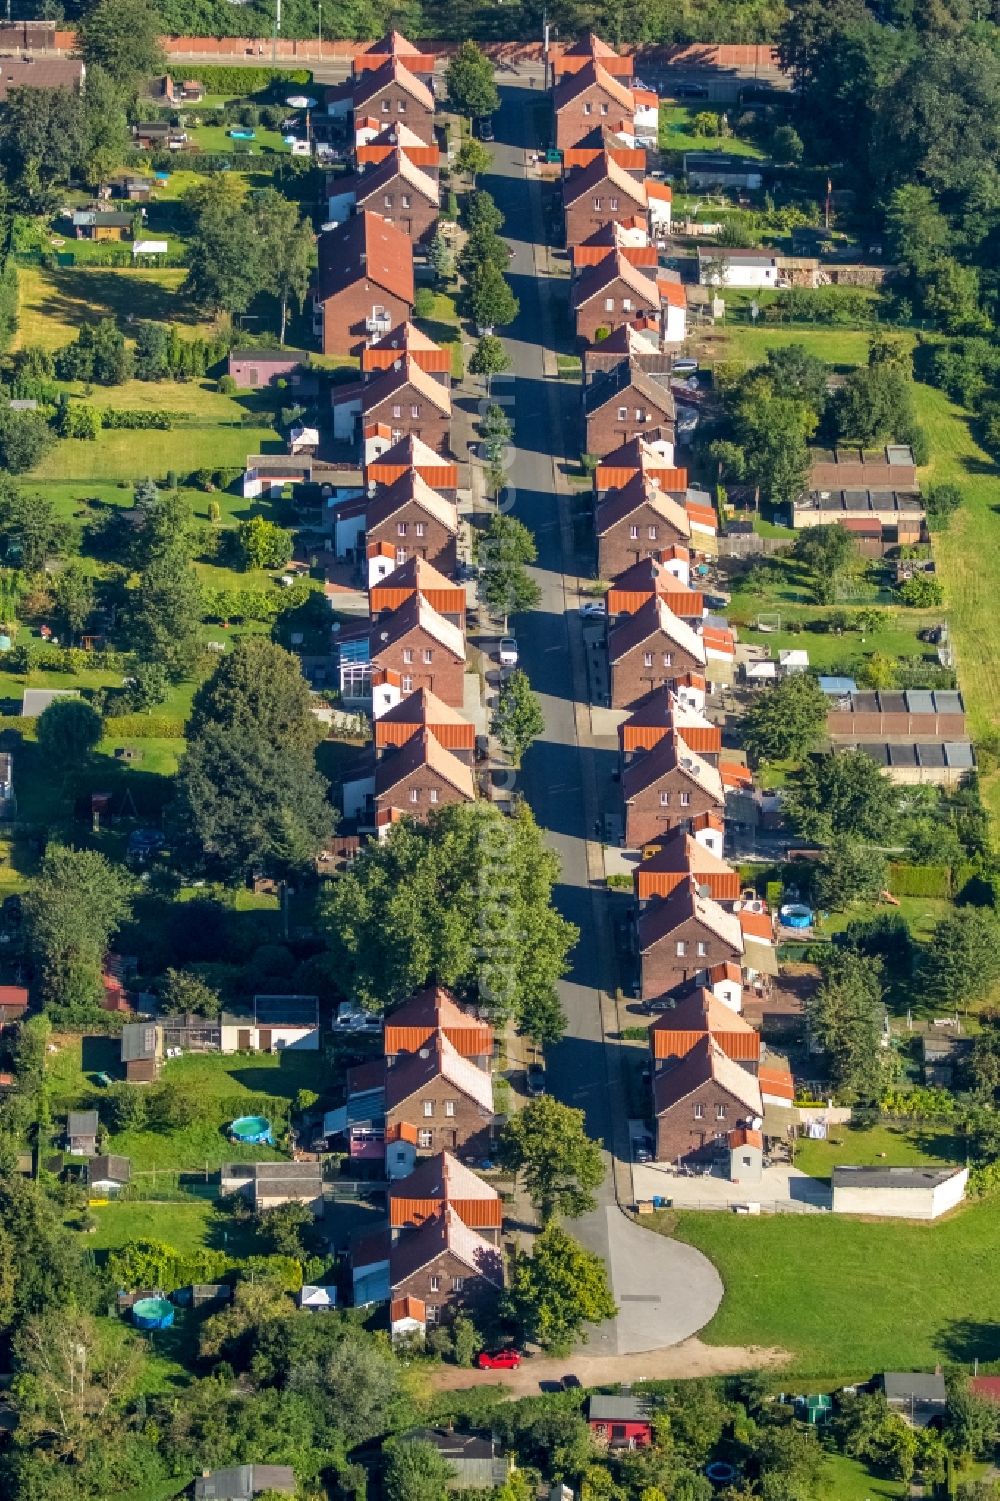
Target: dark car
{"points": [[484, 128], [536, 1079], [571, 1383], [690, 91]]}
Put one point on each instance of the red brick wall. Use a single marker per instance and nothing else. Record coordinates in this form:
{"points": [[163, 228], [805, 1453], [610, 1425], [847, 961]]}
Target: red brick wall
{"points": [[573, 123], [663, 970], [594, 314], [606, 431], [680, 1134], [632, 680], [618, 550], [424, 782], [438, 545], [412, 113], [443, 675], [582, 219], [646, 818], [431, 425], [418, 222], [475, 1293], [466, 1133], [344, 316]]}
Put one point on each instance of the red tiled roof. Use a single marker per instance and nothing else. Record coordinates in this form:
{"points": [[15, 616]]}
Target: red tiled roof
{"points": [[365, 248]]}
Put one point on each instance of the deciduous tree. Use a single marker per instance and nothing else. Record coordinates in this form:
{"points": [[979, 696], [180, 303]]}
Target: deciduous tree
{"points": [[489, 358], [264, 544], [123, 38], [491, 300], [517, 718], [416, 1470], [74, 906], [503, 550], [556, 1290], [843, 793], [846, 1016], [67, 731], [559, 1165], [786, 722], [471, 89], [962, 961]]}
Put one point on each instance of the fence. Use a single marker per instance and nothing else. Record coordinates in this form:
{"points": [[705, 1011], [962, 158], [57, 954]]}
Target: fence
{"points": [[750, 545]]}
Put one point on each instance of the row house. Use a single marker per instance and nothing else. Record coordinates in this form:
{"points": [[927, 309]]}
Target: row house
{"points": [[399, 192], [389, 589], [610, 188], [637, 343], [439, 1184], [586, 99], [413, 780], [590, 48], [640, 521], [622, 403], [663, 575], [394, 403], [391, 93], [699, 1099], [386, 462], [679, 856], [412, 519], [659, 715], [650, 457], [393, 46], [374, 141], [612, 293], [406, 341], [630, 236], [681, 936], [398, 719], [428, 1013], [428, 1274], [446, 1097], [666, 787], [364, 285], [648, 650], [696, 1015], [426, 651]]}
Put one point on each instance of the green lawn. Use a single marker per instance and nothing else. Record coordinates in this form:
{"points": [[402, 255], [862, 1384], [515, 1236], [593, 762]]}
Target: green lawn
{"points": [[846, 1296], [849, 1480], [54, 304], [282, 1074], [676, 132], [883, 1145], [838, 346], [130, 456], [188, 1226], [444, 327]]}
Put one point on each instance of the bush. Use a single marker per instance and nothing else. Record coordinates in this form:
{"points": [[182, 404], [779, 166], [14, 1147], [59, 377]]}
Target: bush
{"points": [[922, 592], [227, 385], [144, 726], [136, 419], [424, 303]]}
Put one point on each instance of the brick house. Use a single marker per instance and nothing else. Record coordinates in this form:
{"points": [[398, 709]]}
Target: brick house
{"points": [[415, 521], [622, 403], [433, 1012], [402, 194], [426, 651], [418, 778], [612, 293], [631, 237], [437, 1184], [444, 1096], [699, 1099], [407, 340], [393, 45], [696, 1015], [450, 1267], [364, 285], [601, 193], [655, 577], [635, 342], [651, 457], [393, 587], [391, 461], [664, 788], [251, 368], [406, 401], [647, 650], [638, 521], [587, 98], [423, 710], [681, 856], [373, 142], [681, 937], [661, 714], [392, 94]]}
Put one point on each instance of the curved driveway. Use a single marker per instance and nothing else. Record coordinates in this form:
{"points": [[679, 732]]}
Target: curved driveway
{"points": [[665, 1291]]}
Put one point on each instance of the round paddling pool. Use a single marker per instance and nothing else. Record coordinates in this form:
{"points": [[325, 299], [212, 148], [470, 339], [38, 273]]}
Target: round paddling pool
{"points": [[152, 1313], [794, 915], [253, 1129]]}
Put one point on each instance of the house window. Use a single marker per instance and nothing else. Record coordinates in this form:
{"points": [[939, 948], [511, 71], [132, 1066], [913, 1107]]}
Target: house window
{"points": [[668, 659], [428, 1108], [604, 109], [622, 414], [664, 799], [414, 411], [449, 1107], [428, 655], [401, 106], [651, 533], [405, 201], [434, 798], [685, 796], [407, 654], [421, 529], [647, 659], [433, 1313], [702, 950], [387, 200], [699, 1112], [414, 794], [588, 109], [626, 304], [435, 1284], [641, 415], [400, 528], [397, 411], [597, 205], [633, 532], [386, 106], [458, 1284], [720, 1112], [617, 1431], [613, 204], [407, 683], [400, 554], [425, 1139], [609, 304], [681, 948]]}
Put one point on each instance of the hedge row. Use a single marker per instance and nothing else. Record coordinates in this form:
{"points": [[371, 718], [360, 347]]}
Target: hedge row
{"points": [[243, 81], [145, 727], [136, 418]]}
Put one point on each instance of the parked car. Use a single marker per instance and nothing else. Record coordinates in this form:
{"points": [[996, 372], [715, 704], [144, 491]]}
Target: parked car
{"points": [[689, 91], [484, 127], [642, 1149], [684, 366], [595, 610], [535, 1079], [508, 652], [499, 1360], [571, 1383]]}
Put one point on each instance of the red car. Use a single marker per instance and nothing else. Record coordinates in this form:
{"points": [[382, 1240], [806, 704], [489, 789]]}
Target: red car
{"points": [[501, 1360]]}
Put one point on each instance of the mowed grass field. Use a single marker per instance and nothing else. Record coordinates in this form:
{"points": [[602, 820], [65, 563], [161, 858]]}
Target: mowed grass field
{"points": [[850, 1297], [54, 304], [130, 456]]}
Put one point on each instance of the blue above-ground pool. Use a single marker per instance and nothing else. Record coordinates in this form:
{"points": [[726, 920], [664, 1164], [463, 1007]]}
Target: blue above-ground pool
{"points": [[795, 915], [152, 1313], [243, 134], [255, 1130]]}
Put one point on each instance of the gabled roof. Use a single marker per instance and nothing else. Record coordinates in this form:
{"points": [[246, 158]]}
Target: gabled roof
{"points": [[419, 575], [704, 1063], [397, 164], [678, 851], [628, 375], [654, 618], [595, 281], [386, 383], [671, 292], [661, 713], [439, 1181], [699, 1015], [406, 339], [416, 613], [590, 45], [618, 505], [365, 248], [410, 489], [422, 749], [431, 1010], [583, 180], [667, 756], [425, 709], [436, 1237], [659, 920], [591, 75], [407, 1308], [415, 1071], [373, 81]]}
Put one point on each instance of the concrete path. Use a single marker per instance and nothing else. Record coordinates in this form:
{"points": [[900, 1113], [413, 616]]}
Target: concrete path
{"points": [[665, 1291]]}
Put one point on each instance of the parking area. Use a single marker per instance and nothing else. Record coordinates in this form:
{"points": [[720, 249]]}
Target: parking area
{"points": [[782, 1188]]}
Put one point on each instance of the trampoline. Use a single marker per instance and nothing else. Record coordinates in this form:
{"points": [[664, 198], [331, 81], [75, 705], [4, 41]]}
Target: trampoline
{"points": [[152, 1313], [255, 1130], [720, 1473]]}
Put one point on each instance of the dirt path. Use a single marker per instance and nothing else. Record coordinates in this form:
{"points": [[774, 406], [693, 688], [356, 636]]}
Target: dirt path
{"points": [[689, 1359]]}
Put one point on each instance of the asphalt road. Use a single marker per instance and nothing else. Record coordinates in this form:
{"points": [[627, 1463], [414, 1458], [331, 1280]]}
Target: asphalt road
{"points": [[665, 1291]]}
